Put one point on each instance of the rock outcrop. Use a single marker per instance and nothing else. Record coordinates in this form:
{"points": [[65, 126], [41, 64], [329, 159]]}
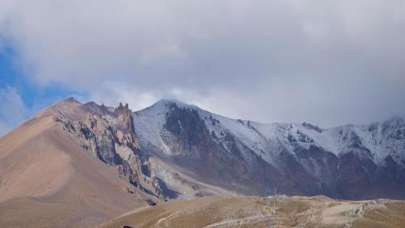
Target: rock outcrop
{"points": [[108, 134]]}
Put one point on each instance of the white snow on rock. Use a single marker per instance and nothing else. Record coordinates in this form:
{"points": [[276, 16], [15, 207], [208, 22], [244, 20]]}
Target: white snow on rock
{"points": [[378, 140], [149, 125]]}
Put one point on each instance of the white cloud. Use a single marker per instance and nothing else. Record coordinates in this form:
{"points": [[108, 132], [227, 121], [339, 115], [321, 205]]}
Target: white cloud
{"points": [[269, 60]]}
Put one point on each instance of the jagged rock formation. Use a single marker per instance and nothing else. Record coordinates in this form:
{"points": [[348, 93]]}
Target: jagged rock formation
{"points": [[108, 134]]}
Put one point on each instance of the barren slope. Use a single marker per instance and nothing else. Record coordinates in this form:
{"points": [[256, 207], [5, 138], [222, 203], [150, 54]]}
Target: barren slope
{"points": [[47, 180], [266, 212]]}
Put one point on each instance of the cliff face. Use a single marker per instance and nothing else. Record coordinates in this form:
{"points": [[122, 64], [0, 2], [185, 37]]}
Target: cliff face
{"points": [[108, 134]]}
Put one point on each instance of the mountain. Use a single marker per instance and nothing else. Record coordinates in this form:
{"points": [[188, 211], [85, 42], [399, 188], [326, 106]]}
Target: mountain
{"points": [[348, 162], [77, 165], [48, 178]]}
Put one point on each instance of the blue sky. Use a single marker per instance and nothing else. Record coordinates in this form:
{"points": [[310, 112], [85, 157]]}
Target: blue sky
{"points": [[21, 97]]}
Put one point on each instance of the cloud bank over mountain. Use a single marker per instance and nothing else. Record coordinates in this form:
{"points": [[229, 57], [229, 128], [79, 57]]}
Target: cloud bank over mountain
{"points": [[329, 62]]}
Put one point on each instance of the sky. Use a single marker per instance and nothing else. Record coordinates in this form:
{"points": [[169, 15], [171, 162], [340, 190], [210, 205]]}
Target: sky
{"points": [[323, 61]]}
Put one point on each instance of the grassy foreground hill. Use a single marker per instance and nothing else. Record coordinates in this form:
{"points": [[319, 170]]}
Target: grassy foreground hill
{"points": [[266, 212]]}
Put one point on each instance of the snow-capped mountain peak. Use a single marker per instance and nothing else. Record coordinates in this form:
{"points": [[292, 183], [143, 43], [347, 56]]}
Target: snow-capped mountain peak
{"points": [[187, 134], [263, 138]]}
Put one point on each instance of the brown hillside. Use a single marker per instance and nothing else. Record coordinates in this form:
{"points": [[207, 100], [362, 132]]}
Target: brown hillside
{"points": [[47, 180]]}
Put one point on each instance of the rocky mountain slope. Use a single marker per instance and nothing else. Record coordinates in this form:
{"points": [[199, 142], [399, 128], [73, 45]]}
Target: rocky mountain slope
{"points": [[49, 174], [349, 162]]}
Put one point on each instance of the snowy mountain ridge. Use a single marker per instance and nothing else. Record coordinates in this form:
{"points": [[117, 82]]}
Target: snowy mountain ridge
{"points": [[248, 157], [377, 140]]}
